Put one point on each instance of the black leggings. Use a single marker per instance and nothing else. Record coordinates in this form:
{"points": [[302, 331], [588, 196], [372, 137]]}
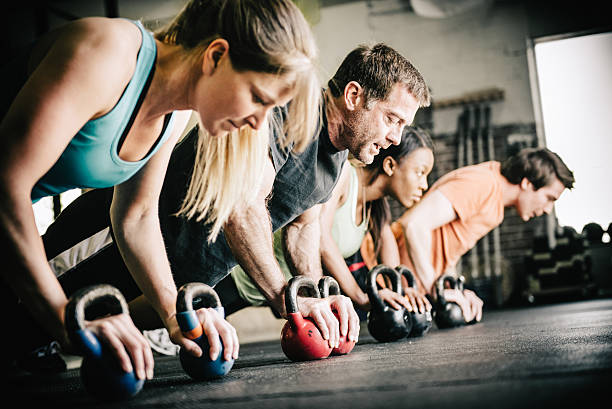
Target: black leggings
{"points": [[85, 216]]}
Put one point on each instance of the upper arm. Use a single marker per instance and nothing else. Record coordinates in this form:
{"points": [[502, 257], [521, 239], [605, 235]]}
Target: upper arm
{"points": [[433, 211], [56, 101], [309, 217]]}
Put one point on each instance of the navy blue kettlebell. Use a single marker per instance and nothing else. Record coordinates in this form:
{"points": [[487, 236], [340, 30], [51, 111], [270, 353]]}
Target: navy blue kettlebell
{"points": [[421, 322], [201, 368], [101, 373], [448, 314], [385, 323]]}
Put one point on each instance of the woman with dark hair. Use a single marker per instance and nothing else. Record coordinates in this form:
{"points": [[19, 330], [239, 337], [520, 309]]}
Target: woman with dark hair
{"points": [[358, 204]]}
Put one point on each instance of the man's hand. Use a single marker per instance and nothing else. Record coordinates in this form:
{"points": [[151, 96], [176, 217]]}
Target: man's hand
{"points": [[321, 312], [214, 326], [469, 302]]}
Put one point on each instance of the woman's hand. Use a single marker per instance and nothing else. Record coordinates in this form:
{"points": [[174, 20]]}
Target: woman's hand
{"points": [[394, 299], [216, 329], [418, 301], [119, 333]]}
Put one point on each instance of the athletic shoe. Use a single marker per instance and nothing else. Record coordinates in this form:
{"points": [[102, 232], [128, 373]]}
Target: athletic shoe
{"points": [[43, 360], [159, 340]]}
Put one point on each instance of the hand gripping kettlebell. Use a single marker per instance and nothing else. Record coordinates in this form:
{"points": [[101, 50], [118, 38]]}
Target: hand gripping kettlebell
{"points": [[448, 314], [201, 368], [385, 323], [101, 373], [301, 340], [327, 286], [421, 322]]}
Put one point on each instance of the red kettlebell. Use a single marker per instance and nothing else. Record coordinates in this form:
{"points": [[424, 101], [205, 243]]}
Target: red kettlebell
{"points": [[301, 340], [327, 286]]}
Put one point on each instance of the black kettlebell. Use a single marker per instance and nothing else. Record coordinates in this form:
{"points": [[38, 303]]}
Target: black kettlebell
{"points": [[385, 323], [448, 314], [421, 322], [101, 373], [201, 368]]}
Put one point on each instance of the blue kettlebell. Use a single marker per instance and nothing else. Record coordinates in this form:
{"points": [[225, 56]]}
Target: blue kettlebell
{"points": [[201, 368], [101, 374], [421, 322]]}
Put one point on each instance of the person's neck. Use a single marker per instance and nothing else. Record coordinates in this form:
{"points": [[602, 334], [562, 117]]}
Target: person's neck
{"points": [[173, 83], [510, 193], [335, 122], [372, 191]]}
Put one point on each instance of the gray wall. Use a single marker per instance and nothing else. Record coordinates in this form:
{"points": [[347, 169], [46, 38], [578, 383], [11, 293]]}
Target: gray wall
{"points": [[481, 49]]}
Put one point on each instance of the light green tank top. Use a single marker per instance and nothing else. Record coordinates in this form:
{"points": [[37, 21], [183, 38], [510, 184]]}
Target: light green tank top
{"points": [[347, 235]]}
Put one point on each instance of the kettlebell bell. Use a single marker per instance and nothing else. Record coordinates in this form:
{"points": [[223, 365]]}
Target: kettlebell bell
{"points": [[201, 368], [421, 322], [448, 314], [385, 323], [101, 373], [327, 286], [301, 340]]}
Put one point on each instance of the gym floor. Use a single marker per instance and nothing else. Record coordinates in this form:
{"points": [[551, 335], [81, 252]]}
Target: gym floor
{"points": [[556, 355]]}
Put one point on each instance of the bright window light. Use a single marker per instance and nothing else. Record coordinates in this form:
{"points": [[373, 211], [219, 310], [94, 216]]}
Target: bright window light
{"points": [[575, 88]]}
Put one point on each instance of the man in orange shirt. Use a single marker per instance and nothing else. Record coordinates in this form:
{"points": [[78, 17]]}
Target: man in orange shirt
{"points": [[463, 206]]}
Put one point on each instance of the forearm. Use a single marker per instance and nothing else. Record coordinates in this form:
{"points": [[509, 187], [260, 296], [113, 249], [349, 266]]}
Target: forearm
{"points": [[301, 247], [334, 265], [249, 235], [25, 268], [418, 246], [141, 245], [389, 253]]}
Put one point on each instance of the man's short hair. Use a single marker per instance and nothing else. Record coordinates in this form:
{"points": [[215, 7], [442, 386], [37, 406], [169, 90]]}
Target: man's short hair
{"points": [[539, 166], [377, 69]]}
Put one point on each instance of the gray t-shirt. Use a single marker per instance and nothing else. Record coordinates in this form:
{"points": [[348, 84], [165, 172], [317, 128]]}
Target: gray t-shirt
{"points": [[302, 181]]}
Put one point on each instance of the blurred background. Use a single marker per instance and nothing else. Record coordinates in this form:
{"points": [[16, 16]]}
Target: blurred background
{"points": [[504, 75]]}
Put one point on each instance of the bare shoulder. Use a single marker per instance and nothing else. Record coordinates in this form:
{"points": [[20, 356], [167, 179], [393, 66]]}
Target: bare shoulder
{"points": [[116, 41], [98, 53]]}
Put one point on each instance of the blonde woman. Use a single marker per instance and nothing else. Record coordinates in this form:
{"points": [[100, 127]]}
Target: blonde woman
{"points": [[102, 102]]}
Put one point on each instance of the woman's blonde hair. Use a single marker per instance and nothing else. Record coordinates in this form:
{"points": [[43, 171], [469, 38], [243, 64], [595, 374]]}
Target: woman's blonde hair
{"points": [[268, 36]]}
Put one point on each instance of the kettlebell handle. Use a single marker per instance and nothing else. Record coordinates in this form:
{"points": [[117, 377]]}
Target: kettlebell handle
{"points": [[328, 285], [455, 283], [189, 291], [291, 292], [101, 294], [372, 289], [405, 271]]}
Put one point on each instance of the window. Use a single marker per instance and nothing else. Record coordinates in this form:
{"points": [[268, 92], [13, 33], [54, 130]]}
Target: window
{"points": [[573, 102]]}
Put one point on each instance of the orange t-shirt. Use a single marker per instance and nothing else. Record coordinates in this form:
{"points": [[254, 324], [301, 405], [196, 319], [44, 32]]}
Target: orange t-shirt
{"points": [[475, 192]]}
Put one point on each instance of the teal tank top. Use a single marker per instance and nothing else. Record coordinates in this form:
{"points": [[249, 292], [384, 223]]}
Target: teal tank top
{"points": [[91, 159]]}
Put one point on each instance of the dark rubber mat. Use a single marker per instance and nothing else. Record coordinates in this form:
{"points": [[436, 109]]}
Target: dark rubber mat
{"points": [[540, 357]]}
